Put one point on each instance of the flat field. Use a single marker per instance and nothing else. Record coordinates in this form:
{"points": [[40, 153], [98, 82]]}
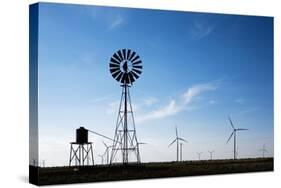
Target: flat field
{"points": [[97, 173]]}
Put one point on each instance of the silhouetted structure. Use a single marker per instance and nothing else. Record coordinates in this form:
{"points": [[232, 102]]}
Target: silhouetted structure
{"points": [[125, 66], [81, 151]]}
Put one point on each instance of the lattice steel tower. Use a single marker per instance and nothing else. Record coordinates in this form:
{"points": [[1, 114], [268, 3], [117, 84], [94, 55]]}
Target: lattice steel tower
{"points": [[125, 66]]}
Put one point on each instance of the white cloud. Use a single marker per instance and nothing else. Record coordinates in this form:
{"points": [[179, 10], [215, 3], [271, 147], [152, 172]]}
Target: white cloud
{"points": [[194, 91], [150, 100], [117, 21], [184, 102]]}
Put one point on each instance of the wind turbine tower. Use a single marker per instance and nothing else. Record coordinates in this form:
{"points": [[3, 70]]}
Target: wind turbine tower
{"points": [[211, 154], [263, 150], [199, 155], [107, 152]]}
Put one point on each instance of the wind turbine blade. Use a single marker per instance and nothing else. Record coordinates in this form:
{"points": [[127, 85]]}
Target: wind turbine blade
{"points": [[105, 144], [176, 131], [231, 122], [242, 129], [183, 140], [230, 137], [172, 143], [142, 143]]}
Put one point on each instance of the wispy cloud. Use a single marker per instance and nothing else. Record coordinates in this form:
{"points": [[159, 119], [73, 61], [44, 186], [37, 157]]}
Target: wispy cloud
{"points": [[201, 30], [177, 105], [111, 19], [150, 100], [204, 25], [117, 21]]}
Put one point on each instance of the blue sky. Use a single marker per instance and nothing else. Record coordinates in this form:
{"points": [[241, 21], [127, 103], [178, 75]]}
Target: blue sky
{"points": [[198, 69]]}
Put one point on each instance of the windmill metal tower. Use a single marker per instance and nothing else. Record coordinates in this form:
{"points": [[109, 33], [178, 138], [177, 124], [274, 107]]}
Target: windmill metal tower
{"points": [[125, 67]]}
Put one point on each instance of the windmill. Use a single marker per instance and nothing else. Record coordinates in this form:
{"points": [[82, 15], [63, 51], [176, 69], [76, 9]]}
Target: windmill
{"points": [[211, 154], [106, 152], [263, 150], [177, 140], [234, 136], [125, 67], [199, 155]]}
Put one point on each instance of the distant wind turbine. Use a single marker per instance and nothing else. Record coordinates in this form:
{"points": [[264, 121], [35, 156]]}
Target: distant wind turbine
{"points": [[177, 140], [234, 134], [107, 152], [199, 155], [211, 154], [101, 156], [263, 150]]}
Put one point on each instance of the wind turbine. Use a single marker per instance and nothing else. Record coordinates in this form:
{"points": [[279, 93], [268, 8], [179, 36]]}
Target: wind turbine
{"points": [[234, 136], [101, 156], [138, 146], [199, 155], [263, 150], [177, 140], [107, 152], [211, 154]]}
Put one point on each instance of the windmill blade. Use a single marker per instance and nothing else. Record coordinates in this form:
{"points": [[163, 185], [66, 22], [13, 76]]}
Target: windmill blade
{"points": [[114, 75], [125, 78], [117, 57], [135, 75], [136, 58], [137, 63], [112, 60], [120, 55], [132, 55], [172, 143], [137, 66], [105, 144], [231, 122], [183, 140], [176, 131], [128, 54], [230, 137], [124, 53], [113, 71], [132, 79], [136, 70], [113, 65], [242, 129], [141, 143], [118, 78]]}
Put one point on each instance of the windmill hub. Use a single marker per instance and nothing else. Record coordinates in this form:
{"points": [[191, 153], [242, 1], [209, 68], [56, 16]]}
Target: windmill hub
{"points": [[126, 66]]}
